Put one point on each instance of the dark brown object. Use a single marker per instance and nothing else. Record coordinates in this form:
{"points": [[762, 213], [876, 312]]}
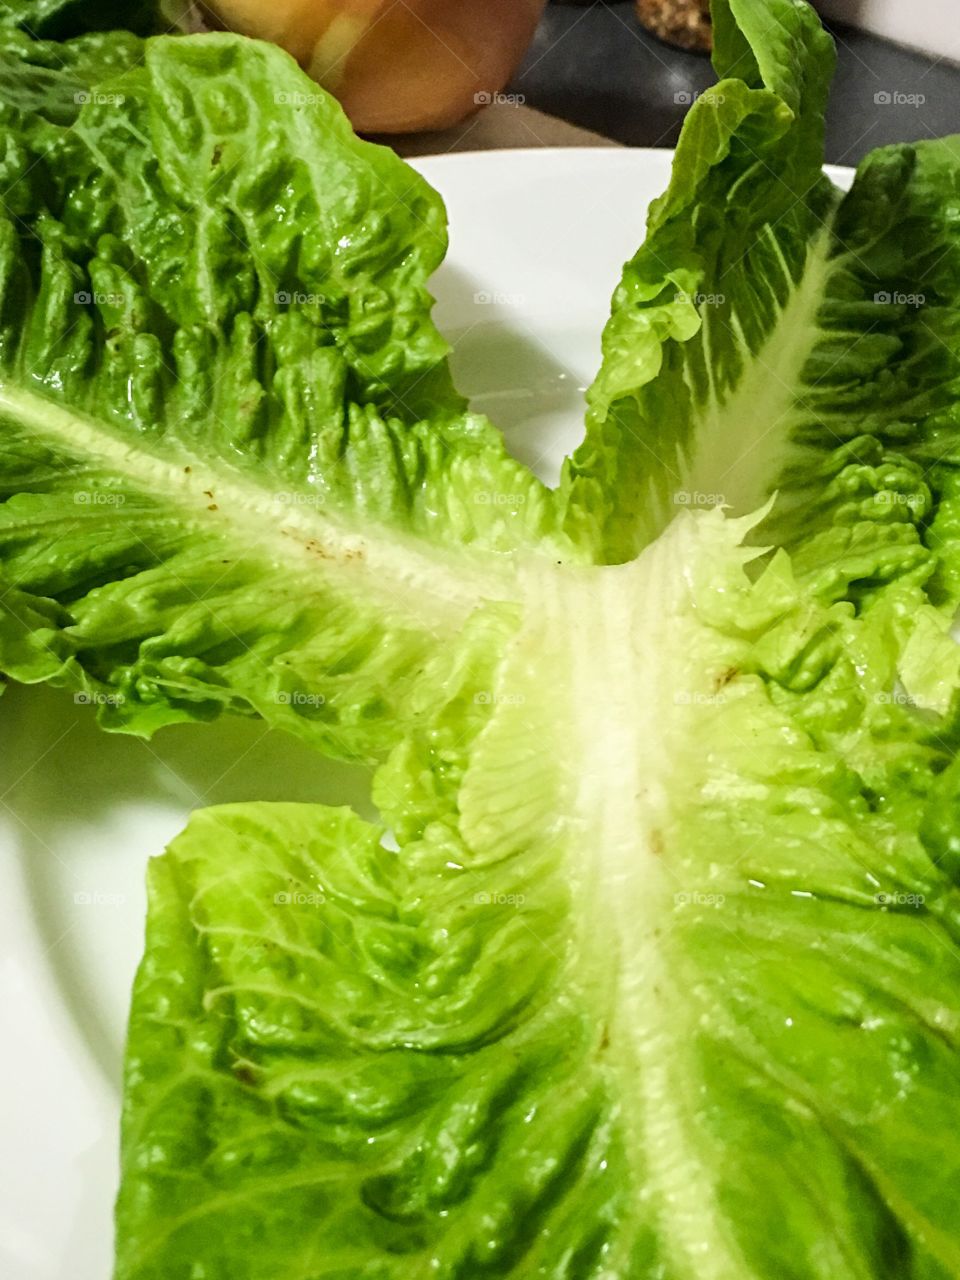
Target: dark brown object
{"points": [[685, 23]]}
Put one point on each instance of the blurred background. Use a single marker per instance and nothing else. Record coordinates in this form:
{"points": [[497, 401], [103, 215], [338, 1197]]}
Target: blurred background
{"points": [[599, 66], [440, 75]]}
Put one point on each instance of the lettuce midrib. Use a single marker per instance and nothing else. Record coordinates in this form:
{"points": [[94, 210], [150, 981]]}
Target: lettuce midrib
{"points": [[743, 443], [625, 675], [628, 663], [285, 525]]}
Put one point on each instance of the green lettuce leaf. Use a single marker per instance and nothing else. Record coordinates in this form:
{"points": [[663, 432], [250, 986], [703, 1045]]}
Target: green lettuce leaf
{"points": [[220, 485], [612, 1010], [872, 436], [44, 82], [65, 19], [769, 337], [662, 977], [711, 322]]}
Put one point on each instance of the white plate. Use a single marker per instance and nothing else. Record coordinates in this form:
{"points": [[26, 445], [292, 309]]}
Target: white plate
{"points": [[537, 240]]}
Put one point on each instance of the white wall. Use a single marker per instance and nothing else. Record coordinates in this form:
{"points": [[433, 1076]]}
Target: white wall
{"points": [[930, 25]]}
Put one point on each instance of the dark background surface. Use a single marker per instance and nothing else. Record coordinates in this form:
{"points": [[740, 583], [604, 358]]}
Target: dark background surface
{"points": [[596, 66]]}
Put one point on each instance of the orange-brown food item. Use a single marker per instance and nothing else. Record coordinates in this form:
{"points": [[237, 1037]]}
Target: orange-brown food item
{"points": [[682, 22], [420, 64]]}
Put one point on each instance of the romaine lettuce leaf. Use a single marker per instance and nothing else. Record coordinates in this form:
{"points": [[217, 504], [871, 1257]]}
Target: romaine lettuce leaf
{"points": [[663, 977], [873, 433], [64, 19], [712, 320], [216, 355], [45, 82], [613, 1010], [769, 336]]}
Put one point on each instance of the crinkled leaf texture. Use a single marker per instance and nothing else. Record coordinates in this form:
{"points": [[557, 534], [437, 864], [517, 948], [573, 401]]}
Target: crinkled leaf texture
{"points": [[45, 82], [662, 978], [772, 336], [712, 320], [216, 355], [611, 1010], [65, 19]]}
